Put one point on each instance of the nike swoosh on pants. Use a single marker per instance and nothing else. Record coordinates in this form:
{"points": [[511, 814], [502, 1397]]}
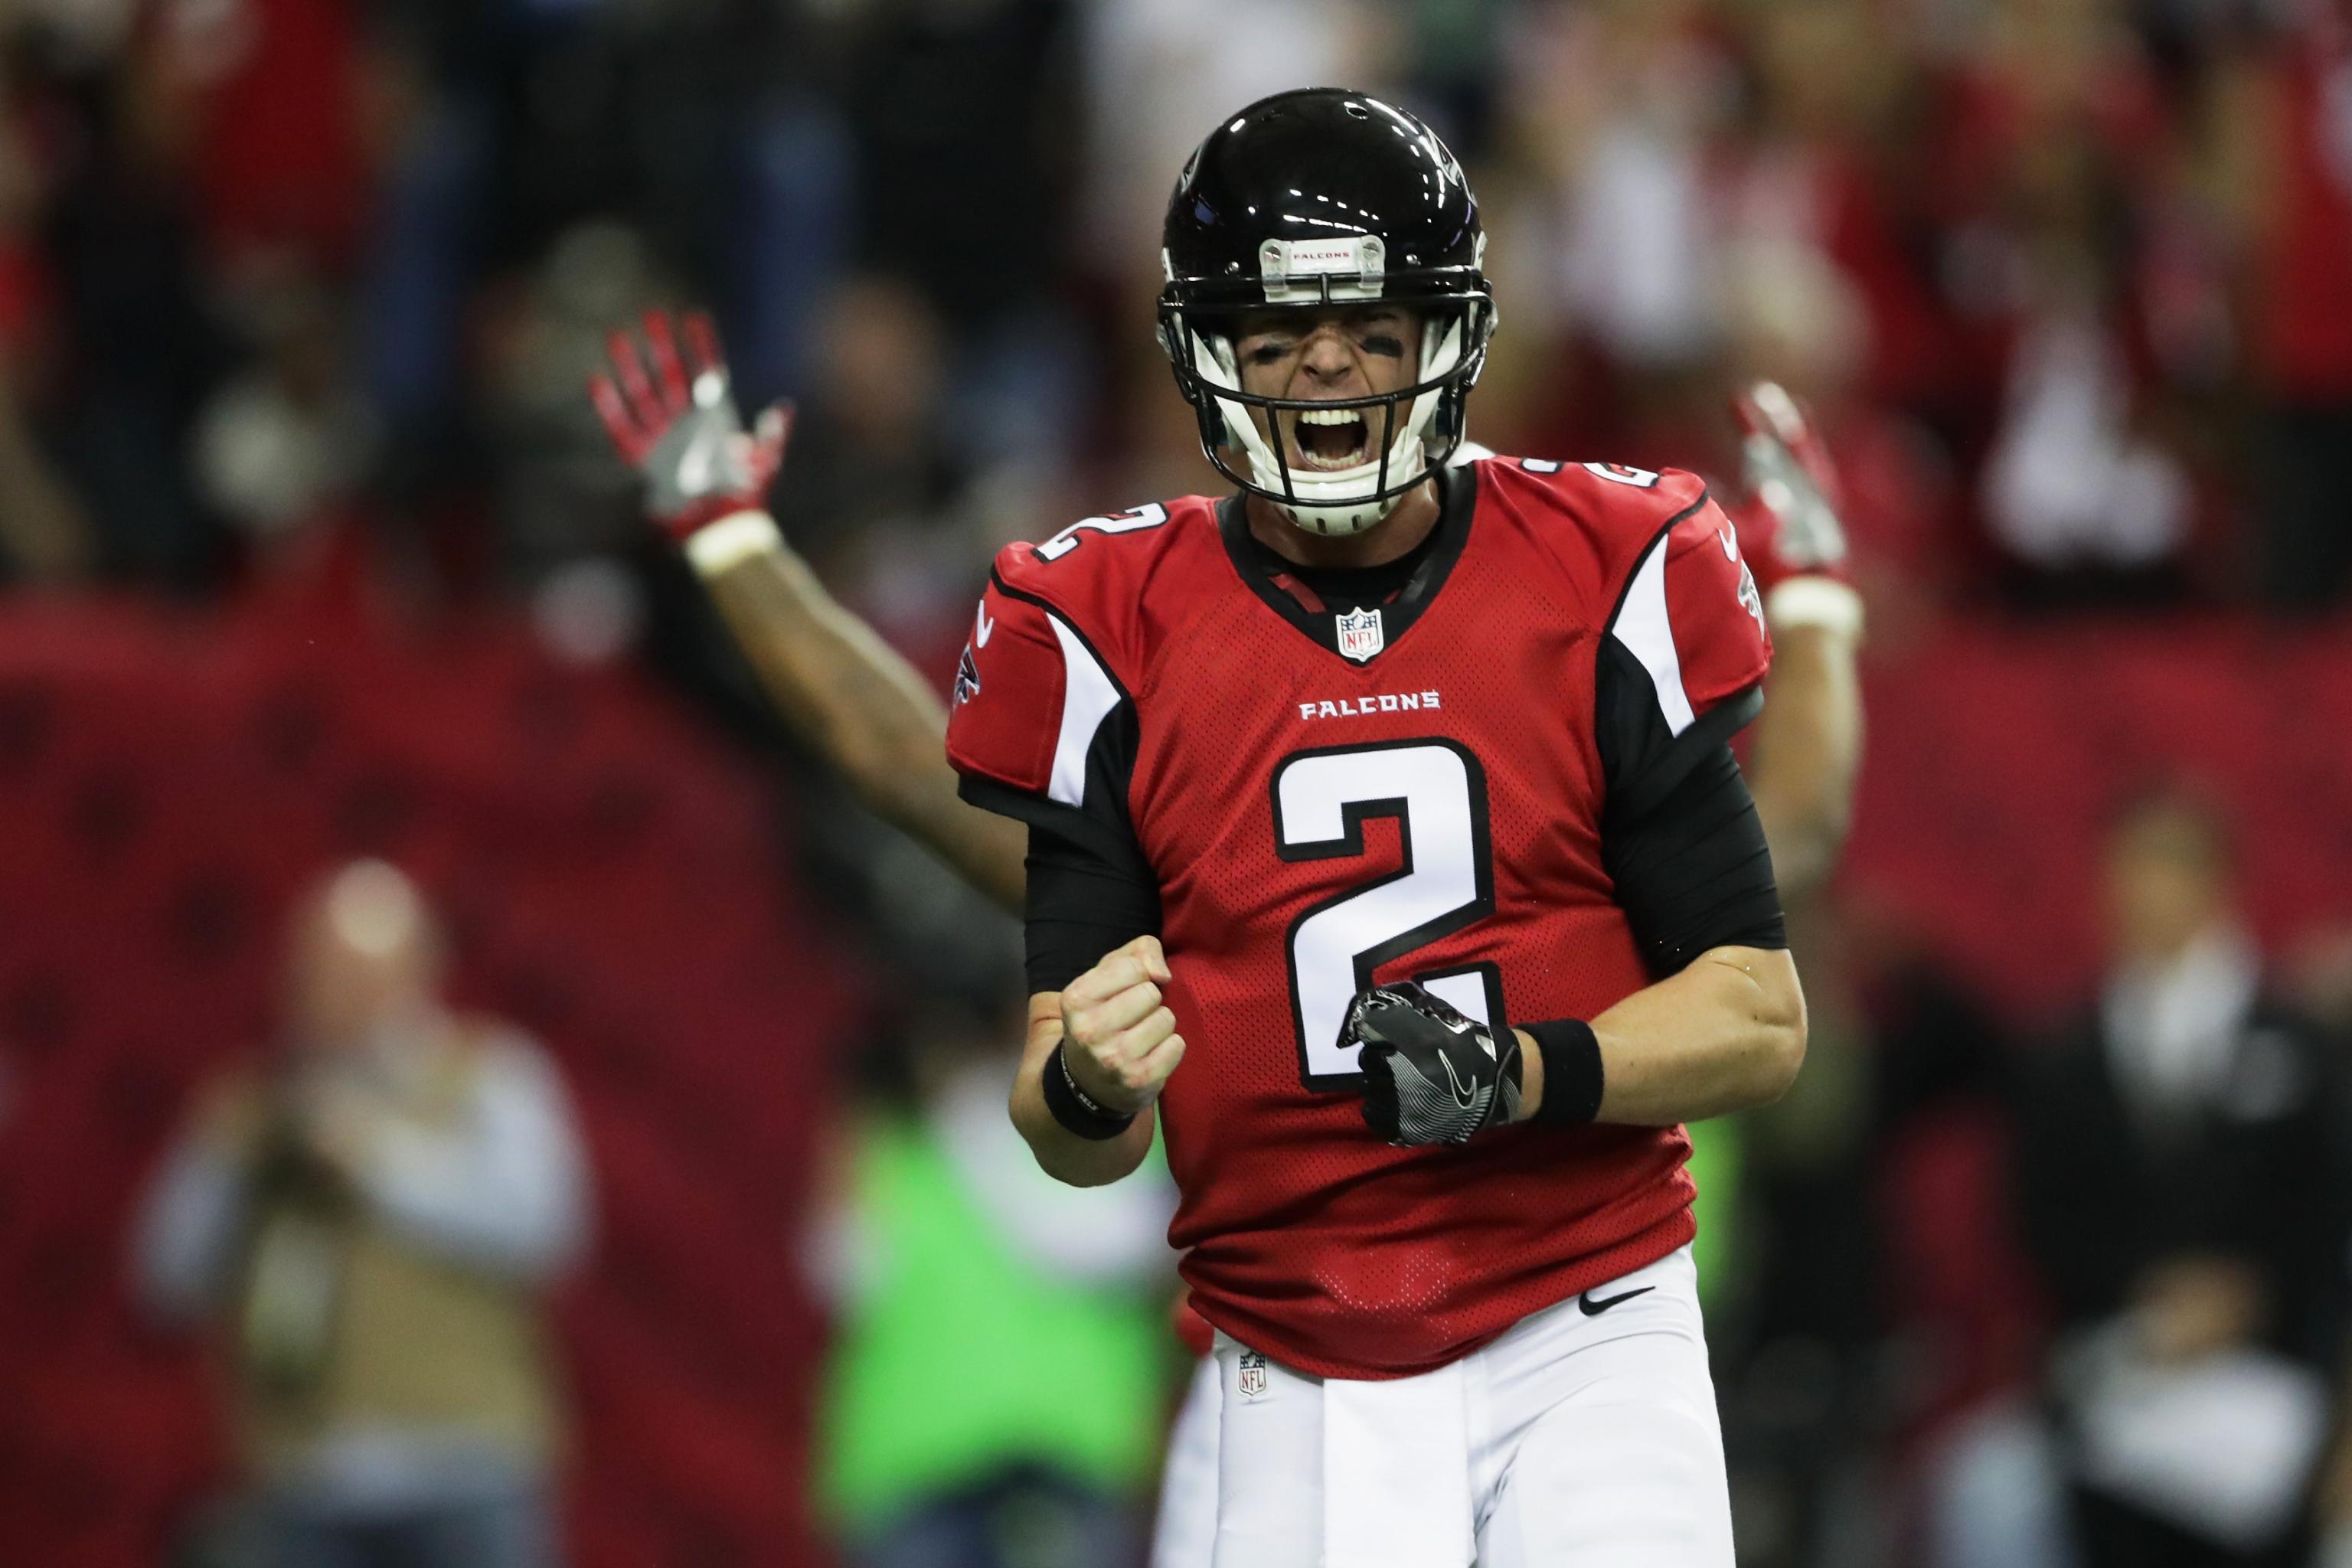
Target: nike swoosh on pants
{"points": [[1593, 1309]]}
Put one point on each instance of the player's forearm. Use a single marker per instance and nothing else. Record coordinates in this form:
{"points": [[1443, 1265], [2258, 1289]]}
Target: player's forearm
{"points": [[1807, 747], [866, 711], [1062, 1153], [1725, 1034]]}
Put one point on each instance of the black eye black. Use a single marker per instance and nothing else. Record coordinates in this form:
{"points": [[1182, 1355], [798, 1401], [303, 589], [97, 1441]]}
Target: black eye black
{"points": [[1381, 343], [1270, 353]]}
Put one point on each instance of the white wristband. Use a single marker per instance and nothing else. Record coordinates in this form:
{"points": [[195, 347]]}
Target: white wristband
{"points": [[1814, 601], [737, 537]]}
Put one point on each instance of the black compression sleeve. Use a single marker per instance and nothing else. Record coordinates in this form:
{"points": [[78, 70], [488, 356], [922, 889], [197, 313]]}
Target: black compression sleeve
{"points": [[1080, 906], [1693, 872]]}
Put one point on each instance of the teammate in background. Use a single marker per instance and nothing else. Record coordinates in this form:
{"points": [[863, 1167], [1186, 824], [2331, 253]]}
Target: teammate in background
{"points": [[874, 719], [1806, 746], [838, 686]]}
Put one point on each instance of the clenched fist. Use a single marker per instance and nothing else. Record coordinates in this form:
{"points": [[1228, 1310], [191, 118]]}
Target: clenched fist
{"points": [[1430, 1075], [1119, 1039]]}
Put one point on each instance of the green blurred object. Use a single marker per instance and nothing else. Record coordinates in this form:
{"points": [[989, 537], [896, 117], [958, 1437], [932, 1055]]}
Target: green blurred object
{"points": [[1717, 1157], [958, 1360]]}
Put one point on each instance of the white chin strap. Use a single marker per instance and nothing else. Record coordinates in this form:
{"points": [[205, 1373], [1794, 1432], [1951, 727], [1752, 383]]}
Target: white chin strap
{"points": [[1336, 501]]}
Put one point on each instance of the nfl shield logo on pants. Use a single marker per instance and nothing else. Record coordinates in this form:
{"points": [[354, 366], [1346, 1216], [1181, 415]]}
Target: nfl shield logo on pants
{"points": [[1252, 1375], [1360, 634]]}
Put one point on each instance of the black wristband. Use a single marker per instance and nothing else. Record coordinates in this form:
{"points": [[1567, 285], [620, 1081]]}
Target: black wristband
{"points": [[1572, 1059], [1074, 1108]]}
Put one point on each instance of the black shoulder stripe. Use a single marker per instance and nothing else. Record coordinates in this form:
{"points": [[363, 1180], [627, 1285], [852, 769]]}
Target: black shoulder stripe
{"points": [[1643, 555], [1110, 670]]}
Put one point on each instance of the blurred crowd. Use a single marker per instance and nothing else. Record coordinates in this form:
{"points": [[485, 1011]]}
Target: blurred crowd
{"points": [[2068, 1293], [298, 298], [2065, 278]]}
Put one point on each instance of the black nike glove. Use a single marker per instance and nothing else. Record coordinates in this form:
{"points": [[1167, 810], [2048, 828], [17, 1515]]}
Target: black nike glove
{"points": [[1431, 1075]]}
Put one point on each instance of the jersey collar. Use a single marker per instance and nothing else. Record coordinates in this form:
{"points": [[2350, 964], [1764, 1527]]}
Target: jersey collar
{"points": [[1271, 578]]}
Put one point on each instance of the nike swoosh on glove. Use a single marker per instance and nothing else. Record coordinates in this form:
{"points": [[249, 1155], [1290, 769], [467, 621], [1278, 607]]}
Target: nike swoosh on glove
{"points": [[675, 422], [1430, 1075]]}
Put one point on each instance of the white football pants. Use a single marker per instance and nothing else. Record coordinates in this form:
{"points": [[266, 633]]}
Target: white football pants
{"points": [[1186, 1533], [1576, 1440]]}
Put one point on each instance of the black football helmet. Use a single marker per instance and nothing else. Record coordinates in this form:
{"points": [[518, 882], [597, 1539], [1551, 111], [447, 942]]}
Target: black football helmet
{"points": [[1304, 200]]}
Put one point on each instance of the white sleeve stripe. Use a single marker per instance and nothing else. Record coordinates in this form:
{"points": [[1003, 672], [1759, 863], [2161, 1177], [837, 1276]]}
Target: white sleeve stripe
{"points": [[1642, 624], [1088, 694]]}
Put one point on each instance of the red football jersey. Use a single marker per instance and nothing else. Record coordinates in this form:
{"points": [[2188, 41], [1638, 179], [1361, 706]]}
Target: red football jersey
{"points": [[1415, 790]]}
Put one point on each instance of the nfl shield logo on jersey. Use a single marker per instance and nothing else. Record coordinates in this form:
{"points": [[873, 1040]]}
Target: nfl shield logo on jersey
{"points": [[1252, 1381], [1360, 634]]}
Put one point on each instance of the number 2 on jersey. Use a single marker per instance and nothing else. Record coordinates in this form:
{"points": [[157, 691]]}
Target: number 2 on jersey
{"points": [[1437, 792], [1070, 537]]}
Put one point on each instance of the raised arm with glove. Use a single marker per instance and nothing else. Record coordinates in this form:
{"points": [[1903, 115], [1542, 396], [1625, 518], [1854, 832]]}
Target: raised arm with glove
{"points": [[848, 694], [1806, 747]]}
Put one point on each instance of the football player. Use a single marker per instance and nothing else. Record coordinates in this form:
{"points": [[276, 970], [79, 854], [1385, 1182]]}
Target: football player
{"points": [[1334, 321]]}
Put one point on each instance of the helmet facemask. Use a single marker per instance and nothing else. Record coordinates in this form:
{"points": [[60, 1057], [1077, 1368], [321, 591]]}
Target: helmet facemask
{"points": [[1411, 431]]}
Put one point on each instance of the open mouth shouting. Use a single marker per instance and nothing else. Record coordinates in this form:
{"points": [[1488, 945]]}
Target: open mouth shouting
{"points": [[1331, 438]]}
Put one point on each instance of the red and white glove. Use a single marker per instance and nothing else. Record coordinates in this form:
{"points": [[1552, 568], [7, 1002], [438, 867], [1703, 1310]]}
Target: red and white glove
{"points": [[706, 477], [1788, 523]]}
